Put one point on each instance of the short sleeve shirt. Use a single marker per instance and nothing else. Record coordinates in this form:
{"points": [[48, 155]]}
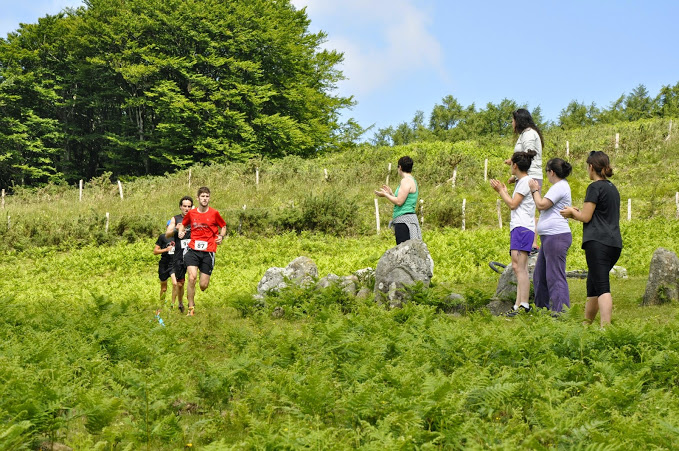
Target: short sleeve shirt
{"points": [[604, 226], [524, 214], [551, 222], [530, 140], [164, 242], [204, 229]]}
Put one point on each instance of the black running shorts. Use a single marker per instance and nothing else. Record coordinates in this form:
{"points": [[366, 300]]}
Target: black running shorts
{"points": [[205, 261], [164, 270]]}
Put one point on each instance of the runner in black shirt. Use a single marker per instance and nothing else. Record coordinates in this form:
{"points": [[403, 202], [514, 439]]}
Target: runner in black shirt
{"points": [[178, 267], [164, 247]]}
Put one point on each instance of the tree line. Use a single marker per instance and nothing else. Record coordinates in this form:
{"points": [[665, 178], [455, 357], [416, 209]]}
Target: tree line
{"points": [[136, 87], [451, 121]]}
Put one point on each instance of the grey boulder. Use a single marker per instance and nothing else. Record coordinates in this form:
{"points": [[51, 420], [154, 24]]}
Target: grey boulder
{"points": [[400, 267]]}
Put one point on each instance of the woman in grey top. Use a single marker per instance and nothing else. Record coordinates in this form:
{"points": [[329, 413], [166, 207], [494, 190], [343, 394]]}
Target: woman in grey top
{"points": [[530, 138]]}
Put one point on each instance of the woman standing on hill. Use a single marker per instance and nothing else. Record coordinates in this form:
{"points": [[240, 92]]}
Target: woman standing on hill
{"points": [[549, 277], [530, 138], [404, 222], [521, 225], [601, 237]]}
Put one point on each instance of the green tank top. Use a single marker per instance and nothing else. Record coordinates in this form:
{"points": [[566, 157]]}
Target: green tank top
{"points": [[410, 203]]}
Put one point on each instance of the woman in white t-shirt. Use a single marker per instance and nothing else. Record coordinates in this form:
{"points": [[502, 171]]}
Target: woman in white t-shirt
{"points": [[521, 234], [549, 277], [530, 138]]}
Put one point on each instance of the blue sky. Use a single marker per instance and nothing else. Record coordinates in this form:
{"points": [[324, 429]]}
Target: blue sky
{"points": [[406, 55]]}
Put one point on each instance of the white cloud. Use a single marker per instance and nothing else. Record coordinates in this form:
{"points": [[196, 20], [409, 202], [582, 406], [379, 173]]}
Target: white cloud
{"points": [[383, 41]]}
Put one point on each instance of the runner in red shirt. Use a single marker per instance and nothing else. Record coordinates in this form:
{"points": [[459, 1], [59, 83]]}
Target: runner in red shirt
{"points": [[208, 229]]}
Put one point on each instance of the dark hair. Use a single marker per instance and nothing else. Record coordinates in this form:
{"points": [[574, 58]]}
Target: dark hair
{"points": [[523, 120], [523, 159], [600, 163], [181, 201], [203, 189], [406, 164], [561, 168]]}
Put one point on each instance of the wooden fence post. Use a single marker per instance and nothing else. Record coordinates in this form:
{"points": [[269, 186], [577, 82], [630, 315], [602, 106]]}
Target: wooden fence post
{"points": [[325, 174], [629, 209], [485, 170], [568, 150], [499, 212], [377, 216], [240, 223], [617, 140], [108, 216], [669, 131], [80, 197], [257, 176], [120, 188], [464, 213]]}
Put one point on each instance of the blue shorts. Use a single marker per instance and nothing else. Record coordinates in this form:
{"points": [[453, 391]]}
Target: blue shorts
{"points": [[521, 239]]}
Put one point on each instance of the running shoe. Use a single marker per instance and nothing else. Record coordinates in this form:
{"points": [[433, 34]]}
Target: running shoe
{"points": [[190, 313], [519, 311]]}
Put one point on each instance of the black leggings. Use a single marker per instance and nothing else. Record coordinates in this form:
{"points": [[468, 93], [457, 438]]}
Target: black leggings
{"points": [[402, 233], [600, 260]]}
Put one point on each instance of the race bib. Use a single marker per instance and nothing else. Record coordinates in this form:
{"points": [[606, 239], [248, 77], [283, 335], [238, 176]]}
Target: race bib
{"points": [[171, 251], [200, 245], [184, 243]]}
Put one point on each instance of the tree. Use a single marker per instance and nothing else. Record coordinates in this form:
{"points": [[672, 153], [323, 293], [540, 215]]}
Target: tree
{"points": [[383, 137], [445, 117], [578, 114], [403, 134], [638, 104], [615, 112], [497, 119], [667, 101], [30, 135], [147, 86]]}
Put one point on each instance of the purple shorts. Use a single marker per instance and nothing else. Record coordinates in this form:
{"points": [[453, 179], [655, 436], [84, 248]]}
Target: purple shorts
{"points": [[521, 239]]}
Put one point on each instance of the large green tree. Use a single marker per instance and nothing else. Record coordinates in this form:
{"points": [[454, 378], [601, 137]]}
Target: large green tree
{"points": [[667, 101], [577, 114], [147, 86]]}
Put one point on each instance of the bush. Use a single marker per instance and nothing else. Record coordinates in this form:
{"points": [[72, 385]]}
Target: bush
{"points": [[325, 213]]}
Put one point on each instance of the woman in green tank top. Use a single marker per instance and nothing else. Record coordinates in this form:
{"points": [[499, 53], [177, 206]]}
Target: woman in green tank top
{"points": [[404, 221]]}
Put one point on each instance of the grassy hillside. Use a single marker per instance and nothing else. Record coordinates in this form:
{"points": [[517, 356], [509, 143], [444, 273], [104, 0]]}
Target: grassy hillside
{"points": [[293, 194], [84, 361]]}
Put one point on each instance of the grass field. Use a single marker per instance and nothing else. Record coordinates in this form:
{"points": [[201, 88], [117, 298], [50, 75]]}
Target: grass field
{"points": [[84, 362]]}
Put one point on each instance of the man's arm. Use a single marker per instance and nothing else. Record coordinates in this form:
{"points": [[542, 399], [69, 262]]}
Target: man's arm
{"points": [[169, 232], [221, 235]]}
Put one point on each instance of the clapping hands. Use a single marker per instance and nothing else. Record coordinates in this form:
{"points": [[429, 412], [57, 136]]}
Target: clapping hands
{"points": [[498, 185], [384, 191]]}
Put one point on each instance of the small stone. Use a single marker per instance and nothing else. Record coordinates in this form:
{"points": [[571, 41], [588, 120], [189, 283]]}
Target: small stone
{"points": [[278, 312]]}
